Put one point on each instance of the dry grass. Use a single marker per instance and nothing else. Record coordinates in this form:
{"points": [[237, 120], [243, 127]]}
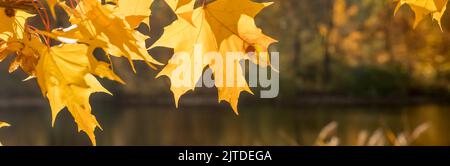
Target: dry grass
{"points": [[379, 137]]}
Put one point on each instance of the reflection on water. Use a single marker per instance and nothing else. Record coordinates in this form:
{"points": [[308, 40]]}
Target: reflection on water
{"points": [[264, 125]]}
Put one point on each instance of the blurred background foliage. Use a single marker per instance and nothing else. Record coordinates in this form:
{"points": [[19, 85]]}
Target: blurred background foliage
{"points": [[359, 48]]}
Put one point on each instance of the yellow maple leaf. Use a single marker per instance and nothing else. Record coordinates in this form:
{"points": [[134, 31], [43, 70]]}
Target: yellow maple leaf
{"points": [[100, 27], [135, 11], [220, 26], [26, 51], [176, 4], [65, 76], [423, 8], [13, 23], [182, 8]]}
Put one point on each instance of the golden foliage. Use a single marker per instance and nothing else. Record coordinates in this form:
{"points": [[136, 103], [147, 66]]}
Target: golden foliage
{"points": [[67, 73]]}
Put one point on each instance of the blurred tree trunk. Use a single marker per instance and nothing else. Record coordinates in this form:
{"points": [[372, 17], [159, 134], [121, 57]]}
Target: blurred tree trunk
{"points": [[297, 43], [297, 54]]}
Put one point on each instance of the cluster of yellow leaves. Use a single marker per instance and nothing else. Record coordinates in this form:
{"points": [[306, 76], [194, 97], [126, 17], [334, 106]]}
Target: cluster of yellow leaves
{"points": [[220, 26], [73, 65], [67, 73], [13, 39], [424, 8]]}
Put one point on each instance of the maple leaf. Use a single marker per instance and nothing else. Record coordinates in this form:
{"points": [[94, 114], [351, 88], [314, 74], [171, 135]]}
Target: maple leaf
{"points": [[13, 23], [220, 26], [423, 8], [26, 51], [182, 8], [65, 75], [100, 27], [135, 12], [176, 4]]}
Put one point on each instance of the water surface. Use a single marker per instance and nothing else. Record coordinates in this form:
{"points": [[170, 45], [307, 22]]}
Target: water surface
{"points": [[262, 125]]}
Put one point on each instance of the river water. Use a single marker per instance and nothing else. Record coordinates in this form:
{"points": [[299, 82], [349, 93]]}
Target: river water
{"points": [[262, 125]]}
